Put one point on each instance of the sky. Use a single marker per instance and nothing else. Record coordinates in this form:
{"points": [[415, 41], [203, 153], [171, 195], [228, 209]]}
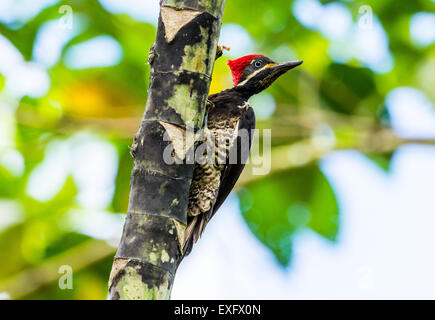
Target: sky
{"points": [[385, 242]]}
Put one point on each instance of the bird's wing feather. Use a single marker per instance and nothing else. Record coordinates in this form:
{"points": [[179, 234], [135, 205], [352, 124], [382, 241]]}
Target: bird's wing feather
{"points": [[232, 172], [229, 177]]}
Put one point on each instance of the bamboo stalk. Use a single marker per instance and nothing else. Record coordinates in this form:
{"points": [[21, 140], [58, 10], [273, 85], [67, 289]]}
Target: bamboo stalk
{"points": [[182, 61]]}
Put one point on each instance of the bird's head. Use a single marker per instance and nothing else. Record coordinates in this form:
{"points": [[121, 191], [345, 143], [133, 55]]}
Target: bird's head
{"points": [[257, 72]]}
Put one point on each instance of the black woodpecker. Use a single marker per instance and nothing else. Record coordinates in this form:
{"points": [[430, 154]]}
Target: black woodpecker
{"points": [[230, 114]]}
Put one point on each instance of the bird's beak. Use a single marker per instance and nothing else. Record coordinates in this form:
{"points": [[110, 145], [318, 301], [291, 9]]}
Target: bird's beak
{"points": [[281, 68], [273, 72]]}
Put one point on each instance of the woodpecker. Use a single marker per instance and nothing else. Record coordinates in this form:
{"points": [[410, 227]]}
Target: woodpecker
{"points": [[229, 114]]}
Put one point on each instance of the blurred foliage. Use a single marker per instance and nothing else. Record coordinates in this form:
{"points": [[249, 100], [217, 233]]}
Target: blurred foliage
{"points": [[348, 99], [287, 202]]}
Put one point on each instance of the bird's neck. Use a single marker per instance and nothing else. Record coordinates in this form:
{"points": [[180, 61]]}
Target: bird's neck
{"points": [[244, 91]]}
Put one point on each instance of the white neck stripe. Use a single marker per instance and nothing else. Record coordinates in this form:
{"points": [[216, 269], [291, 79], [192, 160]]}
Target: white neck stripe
{"points": [[252, 75]]}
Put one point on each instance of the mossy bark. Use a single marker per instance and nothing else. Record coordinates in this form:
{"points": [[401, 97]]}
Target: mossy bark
{"points": [[181, 60]]}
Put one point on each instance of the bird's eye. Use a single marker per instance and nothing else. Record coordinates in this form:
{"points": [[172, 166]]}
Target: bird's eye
{"points": [[258, 64]]}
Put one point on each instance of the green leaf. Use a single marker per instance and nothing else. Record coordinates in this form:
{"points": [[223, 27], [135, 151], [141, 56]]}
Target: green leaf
{"points": [[10, 251], [41, 227], [63, 243], [122, 185], [344, 86], [10, 186], [276, 207], [381, 160], [2, 82]]}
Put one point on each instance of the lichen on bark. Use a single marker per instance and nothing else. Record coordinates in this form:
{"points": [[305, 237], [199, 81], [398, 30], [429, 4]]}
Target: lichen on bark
{"points": [[181, 61]]}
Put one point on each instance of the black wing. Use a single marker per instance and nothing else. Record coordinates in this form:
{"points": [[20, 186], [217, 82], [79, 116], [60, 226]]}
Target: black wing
{"points": [[229, 177], [232, 171]]}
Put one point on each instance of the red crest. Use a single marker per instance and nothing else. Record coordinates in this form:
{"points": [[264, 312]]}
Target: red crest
{"points": [[237, 66]]}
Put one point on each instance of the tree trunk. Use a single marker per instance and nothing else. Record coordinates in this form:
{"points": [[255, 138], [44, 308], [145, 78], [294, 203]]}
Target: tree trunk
{"points": [[181, 61]]}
